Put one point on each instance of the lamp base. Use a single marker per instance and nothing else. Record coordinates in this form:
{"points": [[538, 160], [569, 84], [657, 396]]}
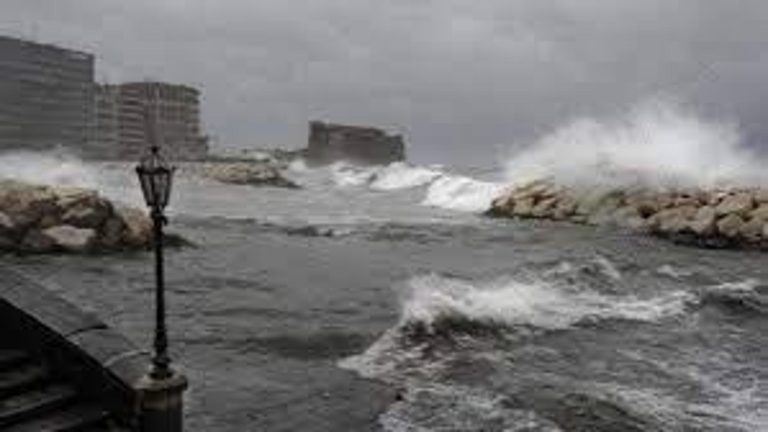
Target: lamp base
{"points": [[161, 402]]}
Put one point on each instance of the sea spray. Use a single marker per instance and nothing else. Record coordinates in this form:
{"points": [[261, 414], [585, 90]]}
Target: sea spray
{"points": [[115, 181], [56, 168], [657, 144]]}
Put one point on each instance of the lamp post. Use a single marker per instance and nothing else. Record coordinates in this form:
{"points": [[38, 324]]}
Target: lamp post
{"points": [[162, 388], [155, 177]]}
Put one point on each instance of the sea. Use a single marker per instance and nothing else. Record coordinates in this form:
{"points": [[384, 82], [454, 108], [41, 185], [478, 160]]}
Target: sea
{"points": [[381, 299]]}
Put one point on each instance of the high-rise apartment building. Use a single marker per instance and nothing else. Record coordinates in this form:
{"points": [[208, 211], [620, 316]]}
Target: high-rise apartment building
{"points": [[161, 113], [45, 96]]}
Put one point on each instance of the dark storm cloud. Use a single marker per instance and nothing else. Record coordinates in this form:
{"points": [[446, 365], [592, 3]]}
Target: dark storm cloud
{"points": [[463, 79]]}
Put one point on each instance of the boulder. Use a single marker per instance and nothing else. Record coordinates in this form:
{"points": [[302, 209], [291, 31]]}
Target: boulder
{"points": [[761, 196], [70, 238], [704, 222], [67, 197], [111, 234], [26, 204], [245, 173], [752, 231], [36, 242], [730, 225], [565, 208], [6, 224], [524, 207], [138, 227], [739, 204], [761, 212], [87, 214], [671, 220], [544, 208]]}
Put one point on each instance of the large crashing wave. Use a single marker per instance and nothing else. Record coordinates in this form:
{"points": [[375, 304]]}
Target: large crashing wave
{"points": [[657, 144], [432, 298], [51, 168]]}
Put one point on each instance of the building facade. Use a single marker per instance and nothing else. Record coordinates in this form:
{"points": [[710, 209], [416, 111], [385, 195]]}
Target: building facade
{"points": [[45, 96], [151, 112]]}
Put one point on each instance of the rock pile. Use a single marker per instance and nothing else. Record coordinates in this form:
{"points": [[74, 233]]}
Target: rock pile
{"points": [[249, 173], [714, 218], [41, 219]]}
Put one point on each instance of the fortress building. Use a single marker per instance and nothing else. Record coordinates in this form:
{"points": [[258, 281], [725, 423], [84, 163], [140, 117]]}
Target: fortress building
{"points": [[330, 142]]}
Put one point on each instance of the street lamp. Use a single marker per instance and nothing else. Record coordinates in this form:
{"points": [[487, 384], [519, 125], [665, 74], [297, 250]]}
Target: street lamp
{"points": [[155, 177]]}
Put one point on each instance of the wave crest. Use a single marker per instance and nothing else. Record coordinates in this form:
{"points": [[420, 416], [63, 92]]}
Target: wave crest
{"points": [[433, 299]]}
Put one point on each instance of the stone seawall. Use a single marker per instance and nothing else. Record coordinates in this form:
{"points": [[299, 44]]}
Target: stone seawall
{"points": [[709, 218], [43, 219]]}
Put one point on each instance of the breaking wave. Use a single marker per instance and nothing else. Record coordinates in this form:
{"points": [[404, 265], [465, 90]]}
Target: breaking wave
{"points": [[51, 168], [395, 176], [431, 299], [461, 193], [657, 144]]}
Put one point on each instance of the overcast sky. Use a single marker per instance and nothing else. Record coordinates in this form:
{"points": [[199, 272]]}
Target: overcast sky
{"points": [[463, 80]]}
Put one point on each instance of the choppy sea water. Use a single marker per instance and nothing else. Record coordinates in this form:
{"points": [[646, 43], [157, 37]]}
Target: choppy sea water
{"points": [[378, 299]]}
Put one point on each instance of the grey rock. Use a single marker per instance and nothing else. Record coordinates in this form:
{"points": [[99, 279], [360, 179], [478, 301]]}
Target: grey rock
{"points": [[70, 238], [740, 204], [730, 225], [36, 242], [752, 230], [704, 222], [138, 227]]}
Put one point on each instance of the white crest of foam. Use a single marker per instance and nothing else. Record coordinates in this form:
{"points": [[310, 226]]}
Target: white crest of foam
{"points": [[345, 175], [400, 175], [298, 165], [429, 298], [461, 193], [658, 144]]}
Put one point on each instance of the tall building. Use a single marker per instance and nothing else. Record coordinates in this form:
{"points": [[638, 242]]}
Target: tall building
{"points": [[45, 96], [105, 136], [152, 112]]}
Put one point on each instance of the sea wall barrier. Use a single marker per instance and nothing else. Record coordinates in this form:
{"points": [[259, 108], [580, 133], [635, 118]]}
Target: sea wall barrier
{"points": [[734, 217], [104, 363]]}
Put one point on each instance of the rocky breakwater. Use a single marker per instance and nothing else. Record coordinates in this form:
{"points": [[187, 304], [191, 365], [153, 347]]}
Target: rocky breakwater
{"points": [[44, 219], [249, 173], [709, 218]]}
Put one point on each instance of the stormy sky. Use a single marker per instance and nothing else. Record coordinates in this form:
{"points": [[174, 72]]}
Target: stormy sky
{"points": [[465, 81]]}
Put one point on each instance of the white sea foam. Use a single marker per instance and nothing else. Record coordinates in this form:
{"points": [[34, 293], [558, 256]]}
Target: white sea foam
{"points": [[461, 193], [426, 299], [345, 175], [657, 144], [400, 175]]}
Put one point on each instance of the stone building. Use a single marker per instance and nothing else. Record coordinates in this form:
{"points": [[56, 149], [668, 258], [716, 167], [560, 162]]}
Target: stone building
{"points": [[45, 96], [147, 112], [330, 142]]}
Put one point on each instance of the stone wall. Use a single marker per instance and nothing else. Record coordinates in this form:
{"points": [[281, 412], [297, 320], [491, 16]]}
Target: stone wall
{"points": [[711, 218], [364, 145]]}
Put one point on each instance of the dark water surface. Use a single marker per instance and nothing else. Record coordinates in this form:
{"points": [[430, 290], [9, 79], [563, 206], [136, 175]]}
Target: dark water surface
{"points": [[309, 317]]}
